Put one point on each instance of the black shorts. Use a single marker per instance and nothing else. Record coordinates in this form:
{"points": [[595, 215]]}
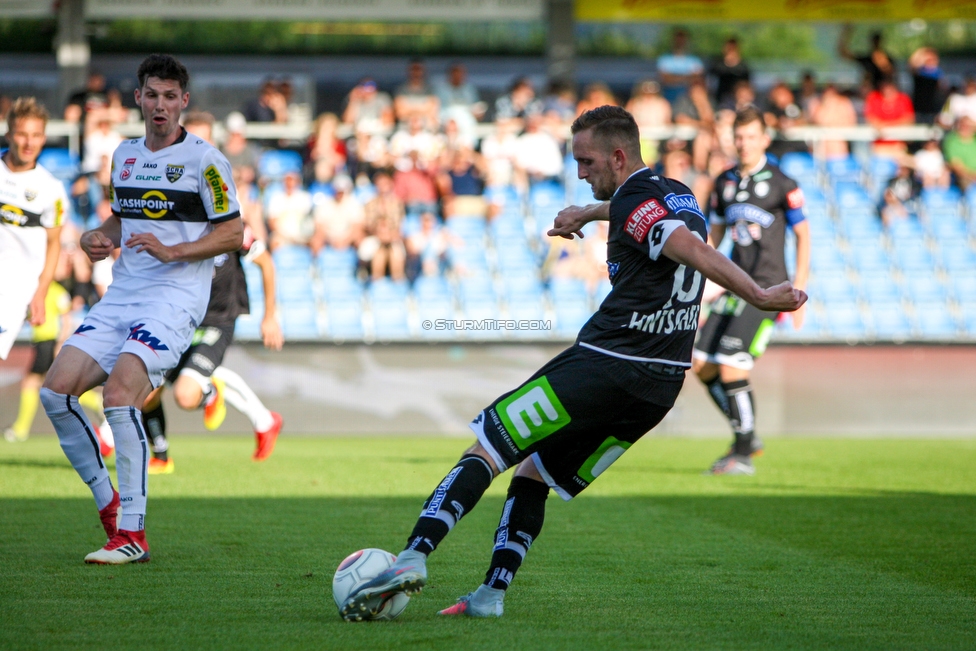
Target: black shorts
{"points": [[206, 352], [43, 356], [735, 334], [576, 416]]}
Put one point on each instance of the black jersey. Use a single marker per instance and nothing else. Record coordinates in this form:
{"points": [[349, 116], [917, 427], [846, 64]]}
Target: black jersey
{"points": [[757, 208], [228, 291], [651, 314]]}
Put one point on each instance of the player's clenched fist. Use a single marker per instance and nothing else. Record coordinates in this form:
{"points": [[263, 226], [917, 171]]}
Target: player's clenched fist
{"points": [[782, 298], [96, 245]]}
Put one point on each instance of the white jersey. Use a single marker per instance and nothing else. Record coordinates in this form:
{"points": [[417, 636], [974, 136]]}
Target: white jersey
{"points": [[175, 193], [30, 203]]}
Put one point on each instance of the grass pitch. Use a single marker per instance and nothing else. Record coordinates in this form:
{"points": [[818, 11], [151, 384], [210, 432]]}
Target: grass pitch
{"points": [[840, 544]]}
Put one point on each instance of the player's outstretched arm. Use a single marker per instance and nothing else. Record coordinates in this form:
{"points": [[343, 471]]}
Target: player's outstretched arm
{"points": [[571, 219], [225, 237], [685, 247]]}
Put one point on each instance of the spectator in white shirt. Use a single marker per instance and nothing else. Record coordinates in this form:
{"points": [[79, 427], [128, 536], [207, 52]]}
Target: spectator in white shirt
{"points": [[289, 211], [339, 219], [537, 154]]}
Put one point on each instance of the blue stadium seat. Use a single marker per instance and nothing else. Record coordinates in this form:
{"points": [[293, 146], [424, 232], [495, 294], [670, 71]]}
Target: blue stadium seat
{"points": [[947, 227], [248, 327], [274, 164], [570, 316], [879, 288], [924, 287], [964, 286], [385, 290], [601, 292], [934, 321], [61, 163], [826, 257], [522, 286], [844, 322], [957, 256], [833, 288], [299, 321], [391, 319], [432, 309], [844, 169], [870, 258], [941, 198], [333, 262], [292, 257], [432, 288], [914, 258], [567, 290], [796, 164], [342, 289], [294, 288], [345, 320], [889, 321]]}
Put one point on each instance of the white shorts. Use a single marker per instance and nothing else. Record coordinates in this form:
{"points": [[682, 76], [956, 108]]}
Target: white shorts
{"points": [[13, 312], [156, 333]]}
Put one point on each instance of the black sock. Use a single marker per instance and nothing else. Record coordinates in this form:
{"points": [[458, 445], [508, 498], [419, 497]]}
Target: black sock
{"points": [[456, 495], [717, 393], [520, 525], [154, 422], [742, 414]]}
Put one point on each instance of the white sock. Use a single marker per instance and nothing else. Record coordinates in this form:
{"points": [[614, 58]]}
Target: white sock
{"points": [[77, 438], [105, 431], [131, 463], [103, 493], [243, 399]]}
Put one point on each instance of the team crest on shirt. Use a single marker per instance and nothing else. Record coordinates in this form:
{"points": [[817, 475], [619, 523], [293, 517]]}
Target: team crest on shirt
{"points": [[174, 173], [127, 169], [30, 195]]}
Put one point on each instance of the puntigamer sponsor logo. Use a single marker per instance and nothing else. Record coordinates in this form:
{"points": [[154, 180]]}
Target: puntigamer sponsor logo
{"points": [[218, 188], [153, 204]]}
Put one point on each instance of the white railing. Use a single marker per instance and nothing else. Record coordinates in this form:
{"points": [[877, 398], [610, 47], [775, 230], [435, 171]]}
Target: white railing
{"points": [[301, 131]]}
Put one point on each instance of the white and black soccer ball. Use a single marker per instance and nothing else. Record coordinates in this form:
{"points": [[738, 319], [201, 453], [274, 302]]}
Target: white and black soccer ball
{"points": [[360, 567]]}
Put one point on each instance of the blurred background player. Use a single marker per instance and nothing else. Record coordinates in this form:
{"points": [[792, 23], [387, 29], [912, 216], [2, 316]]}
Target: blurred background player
{"points": [[195, 379], [46, 340], [33, 204], [755, 202]]}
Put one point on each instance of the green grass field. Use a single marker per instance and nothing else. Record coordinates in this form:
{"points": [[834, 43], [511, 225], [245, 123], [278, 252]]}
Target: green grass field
{"points": [[835, 544]]}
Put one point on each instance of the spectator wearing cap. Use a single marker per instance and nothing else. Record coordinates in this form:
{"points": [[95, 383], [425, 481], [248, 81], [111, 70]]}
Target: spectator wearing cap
{"points": [[237, 149], [289, 212], [326, 151], [960, 151], [728, 70], [369, 109], [677, 69], [416, 97], [339, 219]]}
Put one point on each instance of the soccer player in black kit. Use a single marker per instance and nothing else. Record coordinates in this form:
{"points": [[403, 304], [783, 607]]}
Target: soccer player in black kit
{"points": [[756, 203], [577, 414]]}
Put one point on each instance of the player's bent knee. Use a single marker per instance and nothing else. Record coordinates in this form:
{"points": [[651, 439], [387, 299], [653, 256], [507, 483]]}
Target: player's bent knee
{"points": [[479, 450]]}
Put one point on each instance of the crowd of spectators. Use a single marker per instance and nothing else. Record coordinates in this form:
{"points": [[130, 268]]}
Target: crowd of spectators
{"points": [[385, 174]]}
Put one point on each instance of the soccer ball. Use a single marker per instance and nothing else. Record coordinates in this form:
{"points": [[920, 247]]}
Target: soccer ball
{"points": [[360, 567]]}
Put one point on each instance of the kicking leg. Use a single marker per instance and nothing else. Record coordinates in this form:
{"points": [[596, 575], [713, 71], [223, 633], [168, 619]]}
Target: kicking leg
{"points": [[520, 524], [456, 495]]}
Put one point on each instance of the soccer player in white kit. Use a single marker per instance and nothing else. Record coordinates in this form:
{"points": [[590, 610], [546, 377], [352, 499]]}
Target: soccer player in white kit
{"points": [[32, 205], [174, 208]]}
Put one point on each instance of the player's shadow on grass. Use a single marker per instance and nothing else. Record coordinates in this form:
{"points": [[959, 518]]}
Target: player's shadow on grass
{"points": [[813, 572]]}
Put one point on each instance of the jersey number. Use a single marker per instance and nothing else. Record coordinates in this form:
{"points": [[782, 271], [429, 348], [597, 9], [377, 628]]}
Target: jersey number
{"points": [[680, 280]]}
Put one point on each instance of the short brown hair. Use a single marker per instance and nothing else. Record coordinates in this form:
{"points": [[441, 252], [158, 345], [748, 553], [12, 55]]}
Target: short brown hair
{"points": [[163, 66], [611, 125], [746, 115], [26, 107]]}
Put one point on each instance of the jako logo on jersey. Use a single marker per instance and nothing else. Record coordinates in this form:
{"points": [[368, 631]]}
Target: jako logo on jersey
{"points": [[82, 329], [174, 173], [683, 202], [150, 166], [218, 188], [153, 204], [641, 220], [136, 333], [127, 169], [12, 215]]}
